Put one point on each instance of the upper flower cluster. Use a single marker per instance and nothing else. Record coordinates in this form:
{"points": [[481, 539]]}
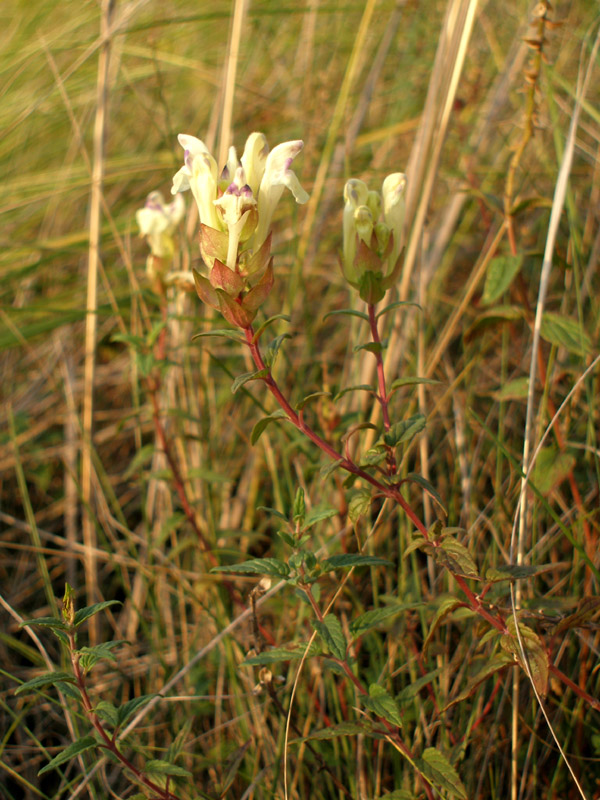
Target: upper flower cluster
{"points": [[373, 235], [236, 210]]}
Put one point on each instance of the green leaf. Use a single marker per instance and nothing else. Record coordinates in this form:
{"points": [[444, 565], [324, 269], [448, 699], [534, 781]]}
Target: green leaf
{"points": [[47, 679], [334, 731], [318, 514], [290, 652], [349, 312], [274, 512], [129, 708], [565, 332], [89, 656], [89, 611], [232, 766], [495, 664], [359, 504], [440, 772], [80, 746], [224, 333], [370, 619], [266, 324], [537, 656], [260, 426], [445, 606], [373, 457], [382, 704], [108, 712], [362, 387], [404, 431], [414, 477], [258, 566], [246, 377], [348, 560], [46, 622], [455, 557], [300, 405], [330, 631], [551, 468], [587, 608], [501, 272], [515, 572], [371, 347], [418, 542], [397, 305], [157, 767]]}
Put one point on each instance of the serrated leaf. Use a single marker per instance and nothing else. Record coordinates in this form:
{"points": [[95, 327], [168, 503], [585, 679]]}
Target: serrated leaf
{"points": [[370, 619], [224, 333], [537, 657], [565, 332], [80, 746], [414, 477], [258, 566], [359, 504], [108, 712], [514, 572], [382, 704], [348, 312], [89, 656], [89, 611], [260, 426], [129, 708], [551, 468], [47, 679], [348, 560], [318, 514], [587, 608], [246, 377], [290, 652], [495, 664], [445, 606], [404, 431], [46, 622], [331, 633], [455, 557], [158, 767], [501, 272], [436, 767], [334, 731]]}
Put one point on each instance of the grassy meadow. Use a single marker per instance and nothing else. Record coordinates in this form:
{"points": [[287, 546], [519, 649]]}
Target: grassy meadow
{"points": [[131, 471]]}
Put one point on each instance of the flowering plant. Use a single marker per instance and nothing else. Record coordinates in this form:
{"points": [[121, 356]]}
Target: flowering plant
{"points": [[157, 221]]}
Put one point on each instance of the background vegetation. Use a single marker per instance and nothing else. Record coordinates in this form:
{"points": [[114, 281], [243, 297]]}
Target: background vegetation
{"points": [[458, 95]]}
